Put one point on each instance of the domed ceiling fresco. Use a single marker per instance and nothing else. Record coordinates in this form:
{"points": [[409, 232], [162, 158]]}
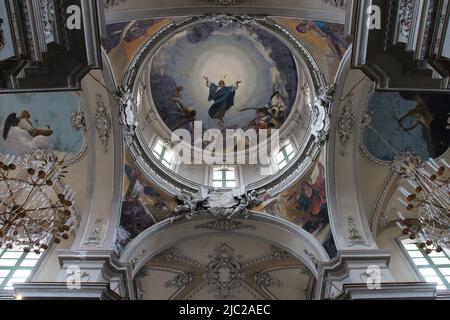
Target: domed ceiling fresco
{"points": [[227, 76]]}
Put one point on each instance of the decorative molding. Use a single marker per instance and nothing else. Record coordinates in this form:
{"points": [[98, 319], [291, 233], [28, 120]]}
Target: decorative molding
{"points": [[355, 238], [225, 225], [341, 4], [96, 234], [103, 123], [224, 272], [321, 122], [151, 117], [278, 253], [226, 3], [265, 280], [180, 281], [367, 119], [405, 15], [2, 36], [371, 158], [108, 4], [345, 125], [48, 19], [79, 121], [168, 254], [138, 258], [313, 258], [128, 111], [298, 118], [406, 163], [225, 205], [377, 210]]}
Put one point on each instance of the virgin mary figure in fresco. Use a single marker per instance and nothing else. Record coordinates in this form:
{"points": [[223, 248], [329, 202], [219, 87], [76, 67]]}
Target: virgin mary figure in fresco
{"points": [[223, 97]]}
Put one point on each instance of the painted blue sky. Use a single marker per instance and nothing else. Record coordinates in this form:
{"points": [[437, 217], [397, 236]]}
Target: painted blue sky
{"points": [[47, 109]]}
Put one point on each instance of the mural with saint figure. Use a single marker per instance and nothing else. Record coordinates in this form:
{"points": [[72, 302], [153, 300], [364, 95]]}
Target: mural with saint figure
{"points": [[305, 204], [229, 76], [415, 122], [143, 205], [327, 41], [39, 121]]}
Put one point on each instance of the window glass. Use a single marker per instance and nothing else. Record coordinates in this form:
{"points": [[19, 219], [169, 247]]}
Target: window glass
{"points": [[163, 153], [15, 267], [434, 267], [284, 156], [224, 177]]}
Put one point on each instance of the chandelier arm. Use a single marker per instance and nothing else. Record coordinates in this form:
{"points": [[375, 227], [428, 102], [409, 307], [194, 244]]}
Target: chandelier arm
{"points": [[27, 233], [5, 178], [47, 208], [47, 176], [5, 204], [431, 204]]}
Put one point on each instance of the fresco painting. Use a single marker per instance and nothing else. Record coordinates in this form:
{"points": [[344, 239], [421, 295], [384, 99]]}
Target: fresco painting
{"points": [[39, 121], [124, 39], [327, 41], [227, 76], [143, 205], [305, 205], [408, 122]]}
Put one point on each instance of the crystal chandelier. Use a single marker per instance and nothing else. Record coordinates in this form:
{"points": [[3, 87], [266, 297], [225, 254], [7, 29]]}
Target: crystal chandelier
{"points": [[428, 193], [34, 207]]}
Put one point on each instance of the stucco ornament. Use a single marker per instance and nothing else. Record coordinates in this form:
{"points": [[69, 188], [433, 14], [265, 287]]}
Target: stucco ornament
{"points": [[225, 205], [128, 110], [321, 122], [406, 164]]}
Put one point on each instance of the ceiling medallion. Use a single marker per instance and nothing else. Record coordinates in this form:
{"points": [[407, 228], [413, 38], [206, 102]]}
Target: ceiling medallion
{"points": [[224, 272]]}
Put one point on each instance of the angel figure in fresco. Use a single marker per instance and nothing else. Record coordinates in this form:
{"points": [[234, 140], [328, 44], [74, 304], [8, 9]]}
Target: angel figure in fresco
{"points": [[188, 114], [271, 116], [430, 115], [23, 123], [420, 113], [223, 97], [313, 202]]}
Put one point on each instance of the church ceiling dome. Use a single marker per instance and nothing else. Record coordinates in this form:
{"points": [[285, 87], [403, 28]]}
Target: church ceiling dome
{"points": [[255, 68], [203, 79]]}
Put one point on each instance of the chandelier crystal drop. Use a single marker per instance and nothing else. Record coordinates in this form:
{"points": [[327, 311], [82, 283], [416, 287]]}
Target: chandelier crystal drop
{"points": [[428, 193], [35, 207]]}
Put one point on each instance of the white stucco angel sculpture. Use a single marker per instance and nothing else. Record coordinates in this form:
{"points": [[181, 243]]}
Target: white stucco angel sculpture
{"points": [[128, 111]]}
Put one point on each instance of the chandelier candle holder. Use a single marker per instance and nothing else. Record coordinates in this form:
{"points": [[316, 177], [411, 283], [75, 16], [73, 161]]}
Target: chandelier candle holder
{"points": [[427, 193], [33, 210]]}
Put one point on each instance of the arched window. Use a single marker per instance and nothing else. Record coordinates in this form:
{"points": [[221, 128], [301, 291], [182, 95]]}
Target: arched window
{"points": [[284, 156], [224, 177], [163, 153]]}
